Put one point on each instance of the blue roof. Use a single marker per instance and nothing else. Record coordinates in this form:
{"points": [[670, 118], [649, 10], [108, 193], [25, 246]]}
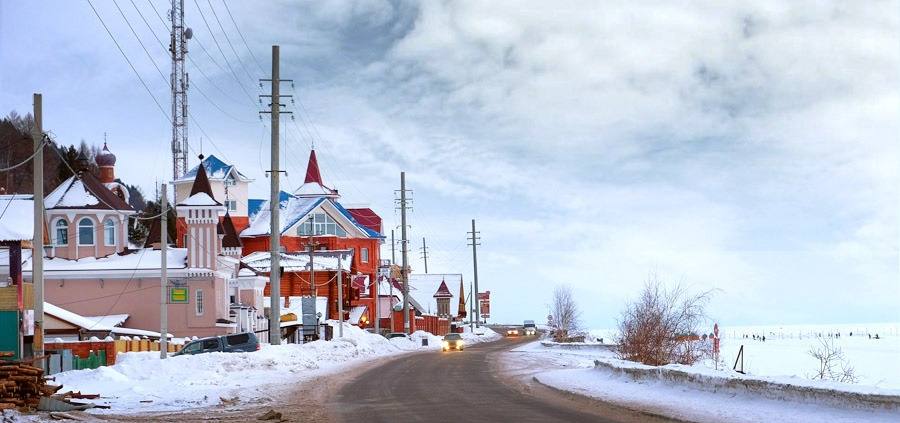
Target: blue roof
{"points": [[254, 204], [215, 169]]}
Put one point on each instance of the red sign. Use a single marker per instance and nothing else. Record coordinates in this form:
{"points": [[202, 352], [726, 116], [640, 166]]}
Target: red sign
{"points": [[484, 301], [484, 296]]}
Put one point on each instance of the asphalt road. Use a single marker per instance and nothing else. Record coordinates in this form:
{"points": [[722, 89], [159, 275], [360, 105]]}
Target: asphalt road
{"points": [[453, 387]]}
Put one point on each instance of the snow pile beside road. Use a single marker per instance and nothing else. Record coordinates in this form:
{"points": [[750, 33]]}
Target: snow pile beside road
{"points": [[697, 393], [142, 382]]}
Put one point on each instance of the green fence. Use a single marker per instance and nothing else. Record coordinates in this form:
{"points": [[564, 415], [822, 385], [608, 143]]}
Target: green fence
{"points": [[94, 360]]}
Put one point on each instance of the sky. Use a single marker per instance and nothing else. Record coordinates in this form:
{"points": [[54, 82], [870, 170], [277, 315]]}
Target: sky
{"points": [[748, 148]]}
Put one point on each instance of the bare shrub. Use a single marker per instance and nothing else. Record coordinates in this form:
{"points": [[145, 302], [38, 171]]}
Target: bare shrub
{"points": [[661, 325], [832, 364], [564, 313]]}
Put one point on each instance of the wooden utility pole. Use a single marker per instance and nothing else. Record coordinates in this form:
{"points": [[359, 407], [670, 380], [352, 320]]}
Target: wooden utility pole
{"points": [[164, 276], [37, 255], [403, 247], [474, 239]]}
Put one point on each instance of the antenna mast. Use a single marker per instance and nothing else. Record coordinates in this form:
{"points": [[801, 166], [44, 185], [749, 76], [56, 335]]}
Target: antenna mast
{"points": [[179, 85]]}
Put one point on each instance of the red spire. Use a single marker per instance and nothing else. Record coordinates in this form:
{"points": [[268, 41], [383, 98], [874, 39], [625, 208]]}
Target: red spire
{"points": [[312, 169]]}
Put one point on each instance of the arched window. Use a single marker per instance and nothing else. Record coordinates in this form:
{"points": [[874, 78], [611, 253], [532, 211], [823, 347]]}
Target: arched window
{"points": [[62, 232], [109, 232], [85, 231]]}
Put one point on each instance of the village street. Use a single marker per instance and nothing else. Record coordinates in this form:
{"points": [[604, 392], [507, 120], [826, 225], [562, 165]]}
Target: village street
{"points": [[404, 388]]}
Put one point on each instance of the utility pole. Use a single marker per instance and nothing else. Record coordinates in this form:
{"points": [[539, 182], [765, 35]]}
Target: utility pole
{"points": [[403, 247], [391, 281], [425, 254], [37, 244], [178, 80], [312, 272], [274, 203], [471, 306], [474, 239], [164, 276], [340, 282]]}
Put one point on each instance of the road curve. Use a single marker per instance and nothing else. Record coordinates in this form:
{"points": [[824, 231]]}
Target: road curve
{"points": [[446, 387]]}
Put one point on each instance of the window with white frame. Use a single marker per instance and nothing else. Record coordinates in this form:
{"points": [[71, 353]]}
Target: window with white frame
{"points": [[320, 224], [109, 232], [229, 181], [364, 255], [198, 302], [86, 231], [232, 205], [62, 232]]}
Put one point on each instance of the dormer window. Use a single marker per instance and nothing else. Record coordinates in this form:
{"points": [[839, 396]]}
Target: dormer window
{"points": [[230, 181], [320, 224]]}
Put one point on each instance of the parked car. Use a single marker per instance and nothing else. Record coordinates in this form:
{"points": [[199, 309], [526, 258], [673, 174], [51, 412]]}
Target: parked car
{"points": [[452, 341], [239, 342], [397, 335], [512, 332]]}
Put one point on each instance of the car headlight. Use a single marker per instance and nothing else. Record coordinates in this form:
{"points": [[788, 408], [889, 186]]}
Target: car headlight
{"points": [[459, 344], [446, 344]]}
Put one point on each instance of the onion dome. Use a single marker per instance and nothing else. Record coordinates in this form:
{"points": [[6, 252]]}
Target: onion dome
{"points": [[105, 157]]}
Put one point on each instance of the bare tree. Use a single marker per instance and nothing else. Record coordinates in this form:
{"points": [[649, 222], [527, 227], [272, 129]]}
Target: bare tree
{"points": [[564, 313], [832, 364], [661, 326]]}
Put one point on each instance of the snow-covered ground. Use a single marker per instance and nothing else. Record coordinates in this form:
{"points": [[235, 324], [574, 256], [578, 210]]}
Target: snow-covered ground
{"points": [[141, 382], [782, 359], [785, 352]]}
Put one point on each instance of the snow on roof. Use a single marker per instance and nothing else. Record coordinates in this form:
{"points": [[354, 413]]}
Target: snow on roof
{"points": [[143, 259], [102, 323], [314, 189], [16, 217], [215, 168], [295, 262], [199, 199], [110, 320], [422, 287], [84, 191], [291, 211]]}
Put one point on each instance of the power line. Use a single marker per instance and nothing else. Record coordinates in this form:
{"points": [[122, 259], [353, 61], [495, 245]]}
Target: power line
{"points": [[133, 69], [242, 37], [236, 55], [219, 47]]}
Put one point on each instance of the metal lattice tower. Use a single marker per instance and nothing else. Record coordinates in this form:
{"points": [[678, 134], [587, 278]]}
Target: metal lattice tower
{"points": [[179, 85]]}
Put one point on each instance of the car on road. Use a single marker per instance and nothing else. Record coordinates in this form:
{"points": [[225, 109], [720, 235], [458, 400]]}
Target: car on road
{"points": [[512, 332], [529, 328], [393, 335], [452, 341], [239, 342]]}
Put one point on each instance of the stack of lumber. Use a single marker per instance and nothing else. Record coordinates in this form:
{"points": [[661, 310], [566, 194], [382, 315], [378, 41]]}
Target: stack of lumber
{"points": [[22, 386]]}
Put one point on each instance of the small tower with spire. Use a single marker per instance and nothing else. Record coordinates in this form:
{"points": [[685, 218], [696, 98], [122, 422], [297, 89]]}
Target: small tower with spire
{"points": [[461, 311], [312, 184], [443, 296], [200, 212]]}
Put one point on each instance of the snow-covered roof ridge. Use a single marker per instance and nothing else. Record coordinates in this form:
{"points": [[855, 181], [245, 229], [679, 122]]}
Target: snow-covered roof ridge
{"points": [[292, 262], [85, 191], [143, 259]]}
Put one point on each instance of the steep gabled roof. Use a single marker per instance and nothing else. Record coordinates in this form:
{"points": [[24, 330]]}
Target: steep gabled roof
{"points": [[201, 192], [231, 239], [216, 170], [312, 184], [84, 191], [154, 235], [442, 291]]}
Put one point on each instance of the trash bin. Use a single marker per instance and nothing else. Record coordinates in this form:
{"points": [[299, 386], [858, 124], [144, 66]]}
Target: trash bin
{"points": [[424, 342]]}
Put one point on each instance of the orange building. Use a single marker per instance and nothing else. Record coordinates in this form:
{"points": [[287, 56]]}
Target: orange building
{"points": [[312, 216]]}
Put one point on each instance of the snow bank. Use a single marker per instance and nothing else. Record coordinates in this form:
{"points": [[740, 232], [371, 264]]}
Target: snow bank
{"points": [[140, 381]]}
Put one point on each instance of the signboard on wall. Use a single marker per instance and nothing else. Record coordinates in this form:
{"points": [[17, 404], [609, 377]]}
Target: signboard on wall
{"points": [[178, 295]]}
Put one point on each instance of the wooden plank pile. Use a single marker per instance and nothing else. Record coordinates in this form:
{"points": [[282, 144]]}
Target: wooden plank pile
{"points": [[22, 385]]}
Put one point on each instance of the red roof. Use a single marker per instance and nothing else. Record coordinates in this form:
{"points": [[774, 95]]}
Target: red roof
{"points": [[312, 169], [442, 291], [367, 218]]}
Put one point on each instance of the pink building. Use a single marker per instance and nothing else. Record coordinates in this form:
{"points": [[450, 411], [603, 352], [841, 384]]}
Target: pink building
{"points": [[90, 270]]}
